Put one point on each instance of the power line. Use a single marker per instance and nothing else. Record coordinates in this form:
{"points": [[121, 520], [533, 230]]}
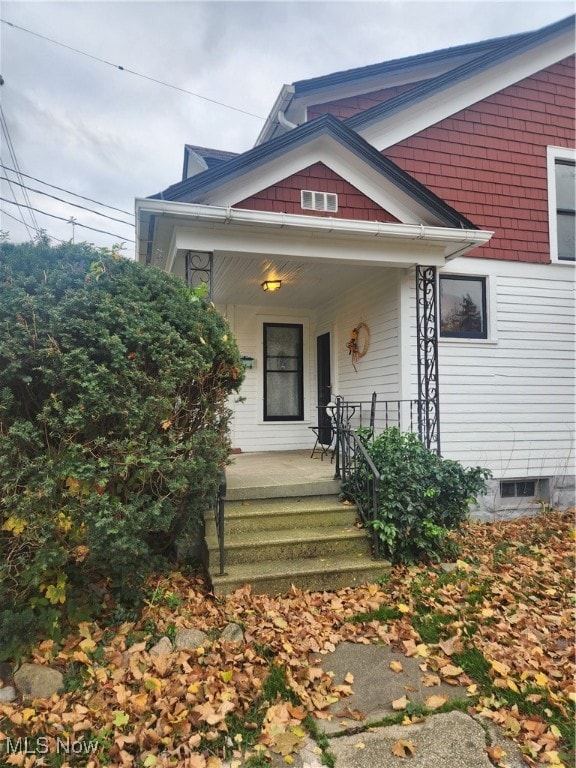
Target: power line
{"points": [[21, 221], [62, 189], [61, 218], [61, 200], [131, 71], [12, 153]]}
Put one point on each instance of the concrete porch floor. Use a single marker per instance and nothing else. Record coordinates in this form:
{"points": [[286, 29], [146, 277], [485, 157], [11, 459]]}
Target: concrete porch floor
{"points": [[279, 473]]}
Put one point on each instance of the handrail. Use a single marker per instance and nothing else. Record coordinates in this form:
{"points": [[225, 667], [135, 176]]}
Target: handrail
{"points": [[219, 502], [362, 471], [360, 478]]}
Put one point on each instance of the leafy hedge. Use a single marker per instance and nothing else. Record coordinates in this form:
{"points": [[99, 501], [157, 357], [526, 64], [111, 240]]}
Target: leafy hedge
{"points": [[422, 496], [114, 381]]}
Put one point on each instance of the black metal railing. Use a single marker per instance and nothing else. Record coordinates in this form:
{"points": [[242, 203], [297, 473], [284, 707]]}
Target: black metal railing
{"points": [[219, 502], [356, 422]]}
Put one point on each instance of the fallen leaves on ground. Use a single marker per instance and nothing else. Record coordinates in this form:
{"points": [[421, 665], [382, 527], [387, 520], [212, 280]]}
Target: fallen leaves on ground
{"points": [[510, 598], [403, 748]]}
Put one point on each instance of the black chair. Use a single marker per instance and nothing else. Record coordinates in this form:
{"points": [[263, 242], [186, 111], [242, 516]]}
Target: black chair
{"points": [[324, 432]]}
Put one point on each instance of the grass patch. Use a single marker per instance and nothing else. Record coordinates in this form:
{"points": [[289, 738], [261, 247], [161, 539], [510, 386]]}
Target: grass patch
{"points": [[432, 627], [475, 664], [321, 739]]}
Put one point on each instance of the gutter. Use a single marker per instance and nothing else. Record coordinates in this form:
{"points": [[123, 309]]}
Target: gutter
{"points": [[210, 214]]}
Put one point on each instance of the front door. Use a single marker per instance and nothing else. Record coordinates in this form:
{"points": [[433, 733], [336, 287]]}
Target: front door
{"points": [[283, 372], [324, 387]]}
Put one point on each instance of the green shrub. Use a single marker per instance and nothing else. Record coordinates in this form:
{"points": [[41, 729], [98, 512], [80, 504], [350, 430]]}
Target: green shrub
{"points": [[422, 496], [114, 380]]}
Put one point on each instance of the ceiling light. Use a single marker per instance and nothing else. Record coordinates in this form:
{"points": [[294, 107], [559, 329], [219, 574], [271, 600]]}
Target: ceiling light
{"points": [[271, 285]]}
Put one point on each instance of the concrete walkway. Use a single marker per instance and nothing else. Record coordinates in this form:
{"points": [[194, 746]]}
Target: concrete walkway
{"points": [[449, 740]]}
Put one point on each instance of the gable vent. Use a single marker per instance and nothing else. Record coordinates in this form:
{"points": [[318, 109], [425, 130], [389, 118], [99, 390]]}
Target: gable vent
{"points": [[318, 201]]}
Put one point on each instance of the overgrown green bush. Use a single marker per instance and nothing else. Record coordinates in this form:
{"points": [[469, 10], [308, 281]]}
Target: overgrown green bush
{"points": [[114, 381], [422, 496]]}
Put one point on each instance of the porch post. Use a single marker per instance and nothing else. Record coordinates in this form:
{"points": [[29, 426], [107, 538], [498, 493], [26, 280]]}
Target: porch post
{"points": [[427, 351], [199, 270]]}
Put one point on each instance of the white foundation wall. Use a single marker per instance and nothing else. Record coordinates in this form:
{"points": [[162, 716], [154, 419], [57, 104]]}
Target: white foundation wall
{"points": [[507, 403]]}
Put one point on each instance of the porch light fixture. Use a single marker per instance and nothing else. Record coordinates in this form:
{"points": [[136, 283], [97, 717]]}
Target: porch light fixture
{"points": [[271, 285]]}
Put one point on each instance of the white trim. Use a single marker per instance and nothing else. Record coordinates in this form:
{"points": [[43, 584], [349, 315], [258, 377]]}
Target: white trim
{"points": [[553, 154], [392, 129], [406, 343], [212, 228]]}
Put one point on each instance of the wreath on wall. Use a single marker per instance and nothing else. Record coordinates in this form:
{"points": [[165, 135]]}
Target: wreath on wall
{"points": [[359, 342]]}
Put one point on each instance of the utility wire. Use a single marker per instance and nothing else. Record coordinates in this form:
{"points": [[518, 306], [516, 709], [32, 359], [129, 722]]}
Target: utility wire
{"points": [[76, 205], [131, 71], [61, 189], [12, 153], [21, 221], [28, 229], [62, 218]]}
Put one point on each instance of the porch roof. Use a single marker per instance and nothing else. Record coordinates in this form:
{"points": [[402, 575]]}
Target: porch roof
{"points": [[165, 228]]}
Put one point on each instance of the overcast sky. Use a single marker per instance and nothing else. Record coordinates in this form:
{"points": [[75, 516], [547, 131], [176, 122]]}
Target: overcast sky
{"points": [[109, 135]]}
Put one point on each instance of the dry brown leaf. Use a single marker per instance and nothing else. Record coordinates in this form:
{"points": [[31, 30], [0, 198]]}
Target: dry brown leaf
{"points": [[396, 666], [436, 700], [285, 743], [400, 704], [496, 753], [451, 671], [403, 748]]}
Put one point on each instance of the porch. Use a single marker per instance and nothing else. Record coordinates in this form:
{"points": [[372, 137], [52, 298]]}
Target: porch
{"points": [[282, 524], [273, 474]]}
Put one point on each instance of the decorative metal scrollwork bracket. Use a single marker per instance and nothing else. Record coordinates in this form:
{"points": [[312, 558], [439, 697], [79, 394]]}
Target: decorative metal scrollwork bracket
{"points": [[199, 270], [427, 350]]}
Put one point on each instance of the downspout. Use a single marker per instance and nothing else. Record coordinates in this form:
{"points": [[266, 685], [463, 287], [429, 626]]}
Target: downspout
{"points": [[284, 122]]}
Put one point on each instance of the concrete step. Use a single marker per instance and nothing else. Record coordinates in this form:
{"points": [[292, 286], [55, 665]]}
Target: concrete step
{"points": [[291, 513], [276, 489], [318, 574], [289, 545]]}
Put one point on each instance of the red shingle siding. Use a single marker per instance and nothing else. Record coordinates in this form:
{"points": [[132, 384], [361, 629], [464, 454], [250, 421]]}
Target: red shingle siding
{"points": [[284, 197], [489, 161], [344, 108]]}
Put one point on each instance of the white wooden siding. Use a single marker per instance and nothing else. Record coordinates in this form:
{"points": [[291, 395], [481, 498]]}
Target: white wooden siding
{"points": [[508, 403]]}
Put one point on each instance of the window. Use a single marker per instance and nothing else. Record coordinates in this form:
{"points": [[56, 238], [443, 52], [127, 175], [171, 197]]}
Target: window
{"points": [[283, 372], [533, 488], [463, 307], [562, 203]]}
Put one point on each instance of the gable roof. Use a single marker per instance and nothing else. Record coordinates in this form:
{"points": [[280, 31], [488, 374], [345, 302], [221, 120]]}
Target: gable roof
{"points": [[511, 48], [433, 71], [316, 85], [198, 159], [198, 187]]}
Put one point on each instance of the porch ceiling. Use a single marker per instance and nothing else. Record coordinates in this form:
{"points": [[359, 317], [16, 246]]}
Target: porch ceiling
{"points": [[305, 284]]}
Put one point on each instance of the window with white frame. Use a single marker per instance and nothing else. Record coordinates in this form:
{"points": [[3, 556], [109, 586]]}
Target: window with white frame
{"points": [[562, 203], [463, 313]]}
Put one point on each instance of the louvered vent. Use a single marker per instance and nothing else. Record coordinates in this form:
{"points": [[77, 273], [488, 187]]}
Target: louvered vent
{"points": [[319, 201]]}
